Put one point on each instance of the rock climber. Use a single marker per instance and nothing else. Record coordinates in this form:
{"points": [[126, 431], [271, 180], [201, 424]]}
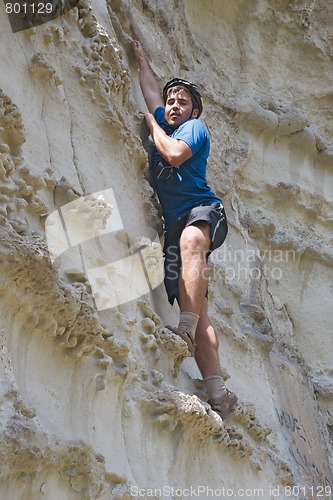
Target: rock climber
{"points": [[194, 218]]}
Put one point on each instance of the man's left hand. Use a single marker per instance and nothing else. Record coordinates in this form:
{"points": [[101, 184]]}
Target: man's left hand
{"points": [[149, 118]]}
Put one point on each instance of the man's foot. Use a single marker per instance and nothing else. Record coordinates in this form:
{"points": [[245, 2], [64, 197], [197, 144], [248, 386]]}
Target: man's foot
{"points": [[225, 404], [186, 337]]}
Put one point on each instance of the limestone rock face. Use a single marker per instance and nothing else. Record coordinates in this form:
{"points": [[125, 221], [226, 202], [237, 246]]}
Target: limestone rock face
{"points": [[97, 398]]}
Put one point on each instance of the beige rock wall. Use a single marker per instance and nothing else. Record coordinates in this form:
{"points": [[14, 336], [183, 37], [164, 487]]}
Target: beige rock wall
{"points": [[102, 403]]}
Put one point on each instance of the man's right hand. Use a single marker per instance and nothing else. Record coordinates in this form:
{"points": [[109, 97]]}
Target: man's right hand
{"points": [[149, 86], [138, 51]]}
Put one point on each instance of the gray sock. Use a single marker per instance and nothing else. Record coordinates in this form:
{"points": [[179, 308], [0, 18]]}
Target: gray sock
{"points": [[214, 386], [188, 323]]}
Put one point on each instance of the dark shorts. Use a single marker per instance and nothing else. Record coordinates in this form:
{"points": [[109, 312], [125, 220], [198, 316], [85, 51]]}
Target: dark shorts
{"points": [[213, 214]]}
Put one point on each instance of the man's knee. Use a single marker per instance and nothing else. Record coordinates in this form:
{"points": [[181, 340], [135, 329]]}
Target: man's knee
{"points": [[194, 240]]}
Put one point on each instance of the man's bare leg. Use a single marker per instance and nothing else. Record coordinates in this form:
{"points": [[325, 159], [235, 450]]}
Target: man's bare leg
{"points": [[220, 399], [194, 245], [207, 344], [195, 242]]}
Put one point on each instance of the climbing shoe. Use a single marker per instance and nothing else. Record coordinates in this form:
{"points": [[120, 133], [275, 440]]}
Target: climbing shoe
{"points": [[225, 404], [184, 336]]}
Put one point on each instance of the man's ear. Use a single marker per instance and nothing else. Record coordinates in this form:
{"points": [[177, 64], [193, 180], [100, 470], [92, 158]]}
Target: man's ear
{"points": [[195, 113]]}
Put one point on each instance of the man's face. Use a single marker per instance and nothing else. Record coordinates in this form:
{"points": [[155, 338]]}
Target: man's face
{"points": [[178, 107]]}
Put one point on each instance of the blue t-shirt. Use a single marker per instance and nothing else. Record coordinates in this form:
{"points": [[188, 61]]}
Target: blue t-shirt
{"points": [[182, 188]]}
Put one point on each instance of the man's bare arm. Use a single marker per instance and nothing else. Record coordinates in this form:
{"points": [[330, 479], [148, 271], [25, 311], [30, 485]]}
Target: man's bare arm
{"points": [[174, 151], [149, 86]]}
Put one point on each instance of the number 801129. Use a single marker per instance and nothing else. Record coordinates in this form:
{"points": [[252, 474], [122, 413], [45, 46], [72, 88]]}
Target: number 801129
{"points": [[29, 8]]}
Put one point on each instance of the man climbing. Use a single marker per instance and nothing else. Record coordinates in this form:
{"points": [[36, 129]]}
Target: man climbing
{"points": [[194, 218]]}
